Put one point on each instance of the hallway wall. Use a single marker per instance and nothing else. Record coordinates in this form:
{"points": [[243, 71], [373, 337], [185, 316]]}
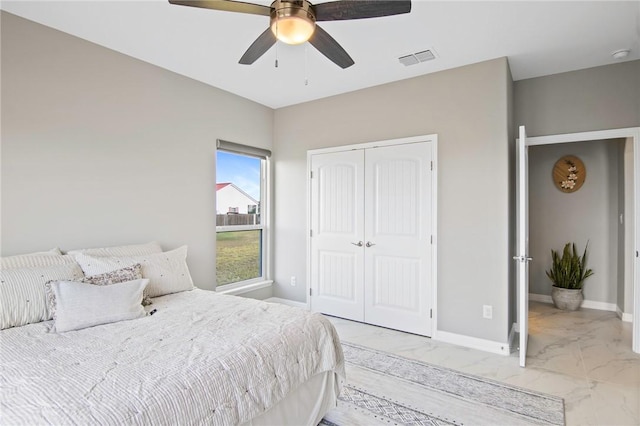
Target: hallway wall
{"points": [[591, 213], [606, 97]]}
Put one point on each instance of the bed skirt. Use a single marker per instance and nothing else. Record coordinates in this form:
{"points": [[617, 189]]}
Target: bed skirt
{"points": [[306, 406]]}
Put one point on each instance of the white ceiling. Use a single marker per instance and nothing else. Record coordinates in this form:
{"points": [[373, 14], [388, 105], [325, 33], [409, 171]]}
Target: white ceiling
{"points": [[539, 38]]}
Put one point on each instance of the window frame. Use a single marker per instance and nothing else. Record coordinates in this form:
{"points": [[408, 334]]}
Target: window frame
{"points": [[264, 280]]}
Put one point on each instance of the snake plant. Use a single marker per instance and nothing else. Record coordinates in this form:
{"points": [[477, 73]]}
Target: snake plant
{"points": [[569, 270]]}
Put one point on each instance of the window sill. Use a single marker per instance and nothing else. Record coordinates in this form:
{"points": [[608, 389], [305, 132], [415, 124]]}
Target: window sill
{"points": [[245, 288]]}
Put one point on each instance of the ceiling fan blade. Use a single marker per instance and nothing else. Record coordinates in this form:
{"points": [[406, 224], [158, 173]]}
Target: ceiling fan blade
{"points": [[258, 47], [226, 5], [330, 48], [360, 9]]}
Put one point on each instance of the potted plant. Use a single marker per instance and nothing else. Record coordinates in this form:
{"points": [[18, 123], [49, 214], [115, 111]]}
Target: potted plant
{"points": [[567, 274]]}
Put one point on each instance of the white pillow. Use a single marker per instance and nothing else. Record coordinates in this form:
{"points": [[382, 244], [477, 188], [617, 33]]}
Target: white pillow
{"points": [[129, 273], [22, 295], [129, 250], [35, 260], [168, 272], [80, 305]]}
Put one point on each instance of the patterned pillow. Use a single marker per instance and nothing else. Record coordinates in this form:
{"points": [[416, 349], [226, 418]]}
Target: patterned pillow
{"points": [[130, 273]]}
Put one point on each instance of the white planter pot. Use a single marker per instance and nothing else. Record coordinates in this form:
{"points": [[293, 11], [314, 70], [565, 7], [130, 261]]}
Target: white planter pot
{"points": [[567, 299]]}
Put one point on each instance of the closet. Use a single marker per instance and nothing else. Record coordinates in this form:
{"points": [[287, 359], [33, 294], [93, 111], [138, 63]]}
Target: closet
{"points": [[371, 251]]}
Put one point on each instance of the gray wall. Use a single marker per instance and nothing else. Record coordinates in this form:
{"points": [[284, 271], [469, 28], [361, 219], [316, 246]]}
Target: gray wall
{"points": [[591, 213], [606, 97], [260, 294], [102, 149], [468, 108]]}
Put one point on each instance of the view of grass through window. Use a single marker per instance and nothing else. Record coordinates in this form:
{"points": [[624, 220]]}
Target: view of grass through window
{"points": [[239, 228], [238, 256]]}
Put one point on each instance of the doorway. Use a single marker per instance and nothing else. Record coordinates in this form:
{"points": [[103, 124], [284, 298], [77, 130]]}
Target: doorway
{"points": [[594, 214], [631, 159]]}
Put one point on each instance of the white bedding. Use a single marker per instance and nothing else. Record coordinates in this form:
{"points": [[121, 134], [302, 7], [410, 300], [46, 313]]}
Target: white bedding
{"points": [[201, 358]]}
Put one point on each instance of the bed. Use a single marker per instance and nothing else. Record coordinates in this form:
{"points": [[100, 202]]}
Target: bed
{"points": [[200, 358]]}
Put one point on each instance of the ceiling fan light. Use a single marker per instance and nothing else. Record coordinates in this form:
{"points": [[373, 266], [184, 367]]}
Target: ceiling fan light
{"points": [[293, 30], [292, 23]]}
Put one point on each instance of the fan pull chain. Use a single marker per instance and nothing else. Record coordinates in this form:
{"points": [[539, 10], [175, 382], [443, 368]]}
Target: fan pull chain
{"points": [[276, 44], [306, 68]]}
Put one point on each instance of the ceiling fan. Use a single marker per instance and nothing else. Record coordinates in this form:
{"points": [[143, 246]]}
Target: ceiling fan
{"points": [[294, 22]]}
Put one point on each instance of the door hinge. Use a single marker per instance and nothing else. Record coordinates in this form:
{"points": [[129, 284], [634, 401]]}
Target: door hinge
{"points": [[311, 232], [430, 313], [432, 165], [311, 175], [310, 291], [431, 239]]}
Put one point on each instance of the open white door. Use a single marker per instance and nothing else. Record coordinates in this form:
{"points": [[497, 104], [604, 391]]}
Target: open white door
{"points": [[522, 241]]}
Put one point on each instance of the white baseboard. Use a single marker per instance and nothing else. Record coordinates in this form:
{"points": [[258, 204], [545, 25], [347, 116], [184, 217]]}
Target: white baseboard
{"points": [[591, 304], [587, 304], [624, 316], [287, 302], [472, 342]]}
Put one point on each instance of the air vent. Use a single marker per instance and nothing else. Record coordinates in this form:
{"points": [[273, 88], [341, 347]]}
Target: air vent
{"points": [[408, 60], [415, 58]]}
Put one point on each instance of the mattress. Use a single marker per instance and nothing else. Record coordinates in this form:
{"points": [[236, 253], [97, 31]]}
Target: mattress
{"points": [[200, 358]]}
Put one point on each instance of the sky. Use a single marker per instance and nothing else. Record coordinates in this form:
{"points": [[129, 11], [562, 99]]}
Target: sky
{"points": [[240, 170]]}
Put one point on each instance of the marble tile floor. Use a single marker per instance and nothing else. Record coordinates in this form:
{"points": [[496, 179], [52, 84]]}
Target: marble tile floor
{"points": [[584, 357]]}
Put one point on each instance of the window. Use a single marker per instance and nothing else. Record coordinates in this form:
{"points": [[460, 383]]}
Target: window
{"points": [[241, 231]]}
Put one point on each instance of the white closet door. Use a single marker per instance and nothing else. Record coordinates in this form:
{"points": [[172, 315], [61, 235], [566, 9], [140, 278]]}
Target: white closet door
{"points": [[337, 253], [398, 288]]}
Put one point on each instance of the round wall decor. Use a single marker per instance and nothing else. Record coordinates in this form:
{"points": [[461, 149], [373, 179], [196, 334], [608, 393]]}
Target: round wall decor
{"points": [[569, 173]]}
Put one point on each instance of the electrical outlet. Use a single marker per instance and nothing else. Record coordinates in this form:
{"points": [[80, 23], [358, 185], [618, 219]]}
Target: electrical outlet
{"points": [[293, 281], [487, 311]]}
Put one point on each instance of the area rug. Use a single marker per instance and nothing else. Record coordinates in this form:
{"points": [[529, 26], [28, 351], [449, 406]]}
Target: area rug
{"points": [[383, 388]]}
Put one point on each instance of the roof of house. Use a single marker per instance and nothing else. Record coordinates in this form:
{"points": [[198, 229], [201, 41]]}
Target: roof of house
{"points": [[219, 186]]}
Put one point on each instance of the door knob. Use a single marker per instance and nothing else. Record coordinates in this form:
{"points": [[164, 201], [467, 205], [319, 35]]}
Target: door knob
{"points": [[369, 244], [359, 244], [523, 258]]}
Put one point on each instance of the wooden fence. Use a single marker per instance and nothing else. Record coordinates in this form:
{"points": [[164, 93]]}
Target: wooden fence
{"points": [[237, 219]]}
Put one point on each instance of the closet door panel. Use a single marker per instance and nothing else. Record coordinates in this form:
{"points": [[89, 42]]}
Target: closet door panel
{"points": [[395, 283], [337, 254], [398, 237]]}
